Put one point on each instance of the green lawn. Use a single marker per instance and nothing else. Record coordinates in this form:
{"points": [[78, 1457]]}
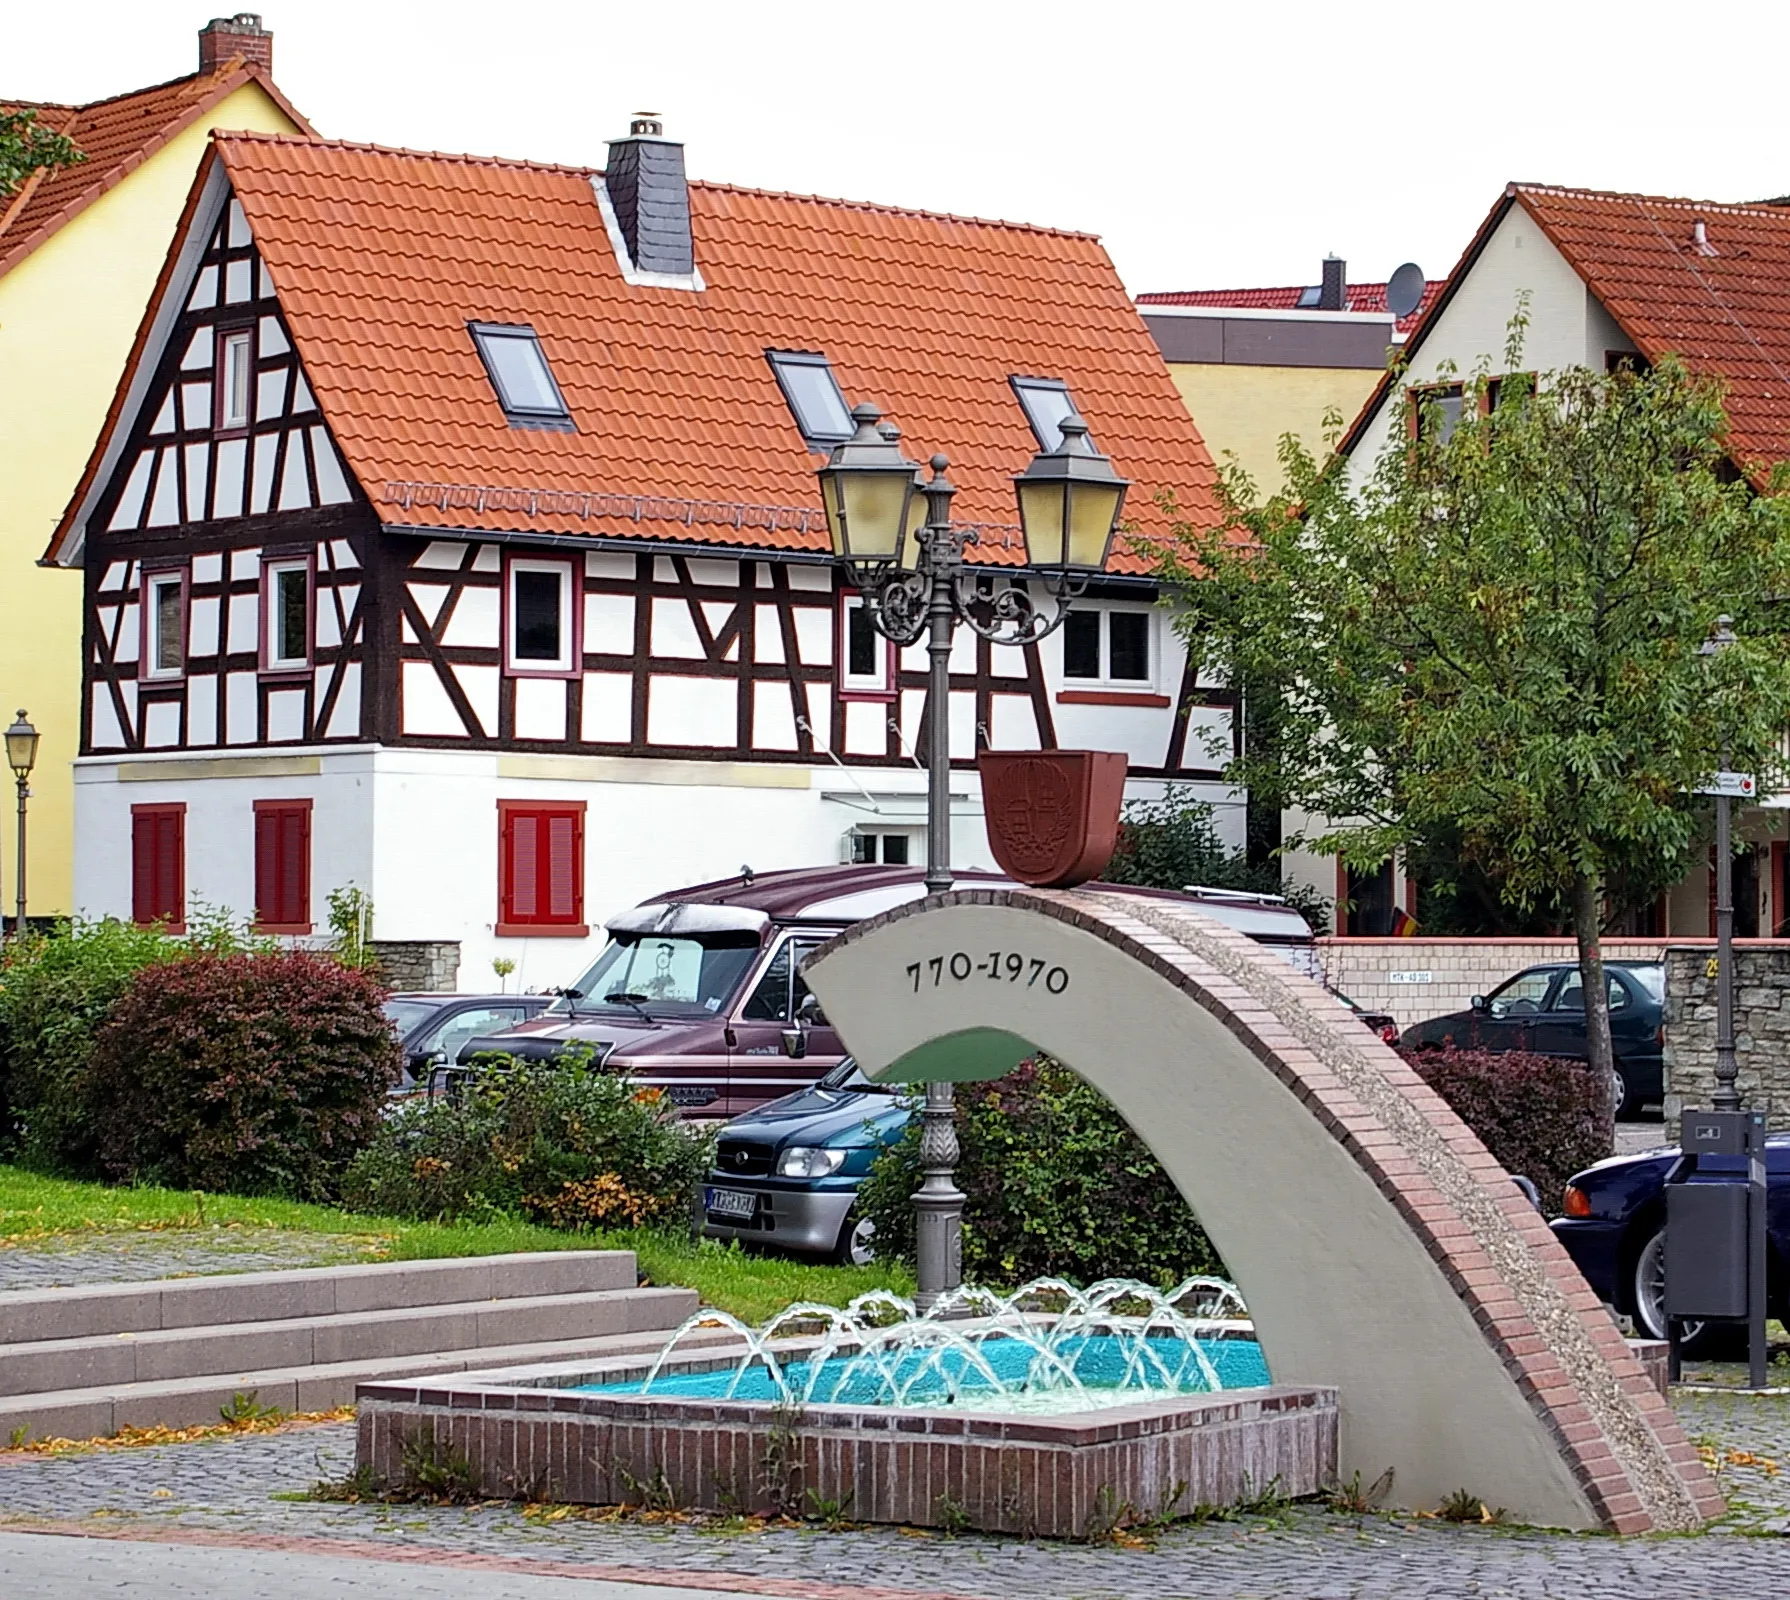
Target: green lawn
{"points": [[44, 1211]]}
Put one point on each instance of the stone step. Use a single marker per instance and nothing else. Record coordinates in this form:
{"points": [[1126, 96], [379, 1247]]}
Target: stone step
{"points": [[165, 1354], [29, 1315], [191, 1402]]}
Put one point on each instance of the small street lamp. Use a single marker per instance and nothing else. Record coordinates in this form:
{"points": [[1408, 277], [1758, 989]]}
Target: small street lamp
{"points": [[876, 504], [1727, 1067], [21, 756]]}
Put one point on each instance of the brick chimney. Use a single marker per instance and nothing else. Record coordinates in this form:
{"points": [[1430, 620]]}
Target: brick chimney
{"points": [[1334, 294], [224, 38], [645, 180]]}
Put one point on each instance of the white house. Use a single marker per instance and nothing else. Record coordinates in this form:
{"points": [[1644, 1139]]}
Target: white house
{"points": [[454, 535]]}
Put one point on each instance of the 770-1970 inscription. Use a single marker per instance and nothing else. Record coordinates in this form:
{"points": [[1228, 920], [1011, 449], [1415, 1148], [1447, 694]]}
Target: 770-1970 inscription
{"points": [[999, 966]]}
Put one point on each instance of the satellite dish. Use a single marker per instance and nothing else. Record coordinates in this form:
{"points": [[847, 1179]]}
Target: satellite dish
{"points": [[1404, 289]]}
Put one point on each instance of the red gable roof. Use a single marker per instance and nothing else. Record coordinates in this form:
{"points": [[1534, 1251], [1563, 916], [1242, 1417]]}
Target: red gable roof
{"points": [[1721, 307], [116, 136], [382, 257], [1364, 299]]}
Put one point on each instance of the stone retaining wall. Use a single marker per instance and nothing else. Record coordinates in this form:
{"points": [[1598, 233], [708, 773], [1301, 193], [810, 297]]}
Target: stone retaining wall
{"points": [[1761, 1026], [428, 966]]}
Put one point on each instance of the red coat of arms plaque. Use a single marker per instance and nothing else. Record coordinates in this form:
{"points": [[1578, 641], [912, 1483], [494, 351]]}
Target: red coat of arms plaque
{"points": [[1053, 815]]}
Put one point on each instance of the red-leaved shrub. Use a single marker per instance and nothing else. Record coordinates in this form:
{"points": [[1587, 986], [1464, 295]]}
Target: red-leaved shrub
{"points": [[1539, 1115], [241, 1074]]}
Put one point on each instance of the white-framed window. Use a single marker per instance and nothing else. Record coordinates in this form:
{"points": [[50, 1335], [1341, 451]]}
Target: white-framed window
{"points": [[889, 847], [236, 377], [540, 621], [866, 660], [1110, 645], [286, 614], [164, 624]]}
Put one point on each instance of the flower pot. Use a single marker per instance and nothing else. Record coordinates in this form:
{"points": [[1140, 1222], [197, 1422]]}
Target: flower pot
{"points": [[1052, 815]]}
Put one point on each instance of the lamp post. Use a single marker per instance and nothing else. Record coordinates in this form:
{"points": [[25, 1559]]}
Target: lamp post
{"points": [[876, 503], [21, 756], [1727, 1068]]}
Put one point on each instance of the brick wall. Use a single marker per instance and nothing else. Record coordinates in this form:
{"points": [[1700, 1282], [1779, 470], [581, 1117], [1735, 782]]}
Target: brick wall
{"points": [[1416, 979], [1761, 1026]]}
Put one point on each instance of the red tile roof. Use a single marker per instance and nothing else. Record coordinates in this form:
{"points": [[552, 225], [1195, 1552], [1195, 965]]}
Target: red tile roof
{"points": [[382, 257], [1364, 298], [117, 136], [1724, 312]]}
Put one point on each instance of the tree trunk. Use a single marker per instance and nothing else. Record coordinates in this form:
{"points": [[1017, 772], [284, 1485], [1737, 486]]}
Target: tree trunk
{"points": [[1587, 925]]}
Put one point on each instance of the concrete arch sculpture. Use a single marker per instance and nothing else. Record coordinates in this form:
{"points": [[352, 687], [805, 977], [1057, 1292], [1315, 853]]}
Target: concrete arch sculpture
{"points": [[1381, 1249]]}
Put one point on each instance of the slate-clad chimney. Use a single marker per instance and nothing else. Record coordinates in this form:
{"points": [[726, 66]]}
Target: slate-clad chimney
{"points": [[645, 180], [224, 38], [1334, 294]]}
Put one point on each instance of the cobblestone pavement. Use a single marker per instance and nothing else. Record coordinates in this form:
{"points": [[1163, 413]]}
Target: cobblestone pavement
{"points": [[227, 1489], [65, 1260]]}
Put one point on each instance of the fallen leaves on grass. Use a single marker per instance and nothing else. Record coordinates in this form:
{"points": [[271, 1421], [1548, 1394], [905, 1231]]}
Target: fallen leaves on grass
{"points": [[135, 1438]]}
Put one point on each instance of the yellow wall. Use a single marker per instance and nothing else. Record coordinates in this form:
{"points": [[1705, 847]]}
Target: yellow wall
{"points": [[1245, 410], [68, 314]]}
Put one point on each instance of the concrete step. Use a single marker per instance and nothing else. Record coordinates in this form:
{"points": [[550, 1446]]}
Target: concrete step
{"points": [[190, 1402], [166, 1354], [30, 1315]]}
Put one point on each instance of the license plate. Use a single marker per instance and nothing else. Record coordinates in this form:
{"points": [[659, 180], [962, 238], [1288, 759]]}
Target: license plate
{"points": [[730, 1202]]}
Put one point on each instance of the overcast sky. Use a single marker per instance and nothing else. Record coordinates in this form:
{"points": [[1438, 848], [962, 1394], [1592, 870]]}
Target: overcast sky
{"points": [[1211, 145]]}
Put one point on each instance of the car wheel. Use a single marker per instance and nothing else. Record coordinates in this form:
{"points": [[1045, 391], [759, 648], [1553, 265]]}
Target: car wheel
{"points": [[1706, 1341], [855, 1247], [1622, 1097]]}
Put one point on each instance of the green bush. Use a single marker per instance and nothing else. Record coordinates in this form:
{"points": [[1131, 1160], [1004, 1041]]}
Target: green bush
{"points": [[248, 1073], [1055, 1183], [560, 1143]]}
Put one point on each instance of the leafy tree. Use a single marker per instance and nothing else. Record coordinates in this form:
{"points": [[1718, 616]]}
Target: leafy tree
{"points": [[25, 145], [1494, 636], [1173, 843]]}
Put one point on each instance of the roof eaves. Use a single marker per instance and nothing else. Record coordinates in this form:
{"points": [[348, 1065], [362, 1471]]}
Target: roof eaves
{"points": [[228, 82], [1414, 340]]}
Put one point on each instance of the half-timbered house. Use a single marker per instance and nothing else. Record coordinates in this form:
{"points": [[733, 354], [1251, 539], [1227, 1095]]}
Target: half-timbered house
{"points": [[454, 535]]}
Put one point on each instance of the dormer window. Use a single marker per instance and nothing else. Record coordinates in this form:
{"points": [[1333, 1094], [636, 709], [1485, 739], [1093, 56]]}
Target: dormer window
{"points": [[1046, 401], [812, 394], [517, 367]]}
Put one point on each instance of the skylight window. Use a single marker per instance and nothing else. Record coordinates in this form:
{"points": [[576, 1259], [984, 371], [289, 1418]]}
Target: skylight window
{"points": [[519, 373], [812, 393], [1046, 401], [1310, 296]]}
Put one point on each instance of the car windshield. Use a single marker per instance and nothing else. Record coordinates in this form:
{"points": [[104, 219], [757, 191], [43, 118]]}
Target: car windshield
{"points": [[407, 1015], [848, 1078], [664, 975]]}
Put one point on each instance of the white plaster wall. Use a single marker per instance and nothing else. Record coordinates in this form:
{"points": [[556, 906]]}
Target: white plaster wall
{"points": [[1473, 326]]}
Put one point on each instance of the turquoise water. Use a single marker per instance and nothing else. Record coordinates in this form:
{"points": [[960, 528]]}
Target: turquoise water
{"points": [[1098, 1362]]}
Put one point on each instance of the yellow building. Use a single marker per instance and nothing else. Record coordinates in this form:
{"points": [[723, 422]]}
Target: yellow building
{"points": [[80, 250], [1253, 364]]}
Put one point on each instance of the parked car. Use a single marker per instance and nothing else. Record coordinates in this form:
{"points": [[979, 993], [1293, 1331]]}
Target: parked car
{"points": [[1615, 1229], [432, 1027], [1543, 1009], [699, 991], [787, 1173]]}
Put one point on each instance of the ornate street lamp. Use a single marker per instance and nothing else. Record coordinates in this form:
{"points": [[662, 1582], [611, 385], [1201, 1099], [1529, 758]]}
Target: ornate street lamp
{"points": [[21, 756], [876, 504]]}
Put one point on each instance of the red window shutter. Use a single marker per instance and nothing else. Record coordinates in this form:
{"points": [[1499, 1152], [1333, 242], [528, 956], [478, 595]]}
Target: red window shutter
{"points": [[295, 867], [143, 836], [267, 866], [561, 877], [158, 864], [283, 863], [540, 866]]}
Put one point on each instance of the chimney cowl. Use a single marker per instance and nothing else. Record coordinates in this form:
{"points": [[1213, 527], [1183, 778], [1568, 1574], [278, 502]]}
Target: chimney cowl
{"points": [[650, 197], [1333, 294], [225, 39]]}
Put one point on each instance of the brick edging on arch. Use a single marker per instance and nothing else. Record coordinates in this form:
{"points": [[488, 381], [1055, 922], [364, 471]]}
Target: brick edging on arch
{"points": [[1557, 1342]]}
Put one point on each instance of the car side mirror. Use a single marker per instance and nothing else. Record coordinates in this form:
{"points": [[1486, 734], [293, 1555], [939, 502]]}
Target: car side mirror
{"points": [[1478, 1003], [809, 1011], [795, 1043]]}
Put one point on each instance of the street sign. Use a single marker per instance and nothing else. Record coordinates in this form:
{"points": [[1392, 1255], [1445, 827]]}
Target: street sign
{"points": [[1734, 785]]}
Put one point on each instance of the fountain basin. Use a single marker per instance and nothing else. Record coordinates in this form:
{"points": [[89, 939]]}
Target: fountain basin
{"points": [[573, 1432]]}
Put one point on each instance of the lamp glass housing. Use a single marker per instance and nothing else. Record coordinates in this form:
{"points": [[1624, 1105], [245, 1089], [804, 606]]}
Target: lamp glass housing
{"points": [[1069, 504], [867, 489], [21, 746]]}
